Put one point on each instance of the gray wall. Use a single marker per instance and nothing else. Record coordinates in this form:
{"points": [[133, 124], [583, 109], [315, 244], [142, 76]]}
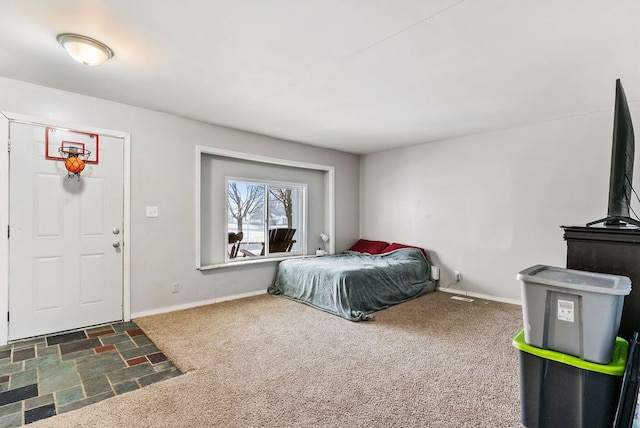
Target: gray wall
{"points": [[491, 205], [162, 164]]}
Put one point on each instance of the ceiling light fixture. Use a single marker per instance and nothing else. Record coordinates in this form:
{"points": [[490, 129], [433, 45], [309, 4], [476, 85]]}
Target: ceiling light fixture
{"points": [[84, 49]]}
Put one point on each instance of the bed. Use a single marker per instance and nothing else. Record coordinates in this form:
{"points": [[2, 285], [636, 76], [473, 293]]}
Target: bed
{"points": [[354, 284]]}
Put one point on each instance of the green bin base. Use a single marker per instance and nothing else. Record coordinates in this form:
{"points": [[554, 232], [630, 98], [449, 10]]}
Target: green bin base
{"points": [[567, 394]]}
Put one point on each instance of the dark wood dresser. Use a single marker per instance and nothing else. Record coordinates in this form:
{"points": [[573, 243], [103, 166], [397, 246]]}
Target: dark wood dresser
{"points": [[614, 250]]}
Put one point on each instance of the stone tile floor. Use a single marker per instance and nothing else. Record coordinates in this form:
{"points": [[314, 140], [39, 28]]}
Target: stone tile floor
{"points": [[49, 375]]}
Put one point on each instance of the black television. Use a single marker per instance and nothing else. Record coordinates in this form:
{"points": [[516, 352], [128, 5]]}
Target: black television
{"points": [[622, 156]]}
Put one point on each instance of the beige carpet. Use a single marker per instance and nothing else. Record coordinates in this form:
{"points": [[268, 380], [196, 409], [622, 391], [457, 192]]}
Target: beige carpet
{"points": [[266, 361]]}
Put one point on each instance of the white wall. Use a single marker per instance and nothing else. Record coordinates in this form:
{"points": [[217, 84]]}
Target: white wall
{"points": [[491, 205], [162, 174]]}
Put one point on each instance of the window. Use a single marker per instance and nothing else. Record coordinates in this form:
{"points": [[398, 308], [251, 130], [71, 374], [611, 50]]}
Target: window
{"points": [[264, 218], [312, 208]]}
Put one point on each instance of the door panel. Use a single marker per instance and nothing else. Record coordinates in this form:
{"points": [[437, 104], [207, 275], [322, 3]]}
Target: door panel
{"points": [[47, 283], [91, 271], [64, 272], [48, 214]]}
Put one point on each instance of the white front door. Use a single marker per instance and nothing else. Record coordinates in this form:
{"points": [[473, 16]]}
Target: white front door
{"points": [[65, 253]]}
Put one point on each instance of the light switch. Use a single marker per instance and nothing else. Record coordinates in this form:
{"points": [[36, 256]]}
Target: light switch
{"points": [[152, 212]]}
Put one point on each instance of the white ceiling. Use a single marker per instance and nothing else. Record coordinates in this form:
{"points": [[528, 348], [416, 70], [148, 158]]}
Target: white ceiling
{"points": [[354, 75]]}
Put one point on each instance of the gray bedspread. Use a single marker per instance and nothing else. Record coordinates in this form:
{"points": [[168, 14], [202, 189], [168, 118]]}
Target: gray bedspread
{"points": [[354, 285]]}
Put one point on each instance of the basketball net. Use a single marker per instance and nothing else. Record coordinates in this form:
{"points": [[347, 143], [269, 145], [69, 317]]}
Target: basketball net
{"points": [[74, 160]]}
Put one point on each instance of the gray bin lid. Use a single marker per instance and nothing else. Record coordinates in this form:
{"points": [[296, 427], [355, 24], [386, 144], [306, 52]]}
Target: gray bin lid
{"points": [[603, 283]]}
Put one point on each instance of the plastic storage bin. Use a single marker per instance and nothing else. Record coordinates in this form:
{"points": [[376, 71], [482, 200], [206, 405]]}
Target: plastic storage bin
{"points": [[572, 312], [563, 391]]}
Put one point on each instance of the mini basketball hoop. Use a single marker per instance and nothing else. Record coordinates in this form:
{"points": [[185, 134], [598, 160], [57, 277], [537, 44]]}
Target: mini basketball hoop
{"points": [[74, 159]]}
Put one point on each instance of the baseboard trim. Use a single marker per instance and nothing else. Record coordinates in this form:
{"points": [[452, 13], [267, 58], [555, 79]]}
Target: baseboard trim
{"points": [[481, 296], [195, 304], [257, 293]]}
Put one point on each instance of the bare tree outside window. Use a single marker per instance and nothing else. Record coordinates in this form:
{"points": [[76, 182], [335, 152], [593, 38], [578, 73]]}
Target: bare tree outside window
{"points": [[281, 200], [245, 201]]}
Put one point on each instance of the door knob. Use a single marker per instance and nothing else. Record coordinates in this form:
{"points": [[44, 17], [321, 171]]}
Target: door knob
{"points": [[116, 231], [116, 244]]}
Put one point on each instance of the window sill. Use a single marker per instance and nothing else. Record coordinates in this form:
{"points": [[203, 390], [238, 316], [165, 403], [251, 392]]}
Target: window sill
{"points": [[252, 261]]}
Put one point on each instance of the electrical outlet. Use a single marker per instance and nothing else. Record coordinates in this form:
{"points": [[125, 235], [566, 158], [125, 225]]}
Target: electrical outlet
{"points": [[458, 276], [152, 212], [175, 287]]}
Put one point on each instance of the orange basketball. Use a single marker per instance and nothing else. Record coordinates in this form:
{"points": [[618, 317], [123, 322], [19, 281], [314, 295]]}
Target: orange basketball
{"points": [[74, 165]]}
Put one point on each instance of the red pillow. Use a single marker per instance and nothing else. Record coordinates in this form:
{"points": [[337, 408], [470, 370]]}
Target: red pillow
{"points": [[366, 246], [396, 246]]}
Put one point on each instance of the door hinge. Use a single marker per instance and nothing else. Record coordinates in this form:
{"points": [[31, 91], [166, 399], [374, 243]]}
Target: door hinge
{"points": [[8, 231], [7, 316], [9, 145]]}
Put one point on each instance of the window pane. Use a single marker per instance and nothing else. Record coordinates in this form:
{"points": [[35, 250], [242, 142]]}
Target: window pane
{"points": [[284, 219], [245, 214]]}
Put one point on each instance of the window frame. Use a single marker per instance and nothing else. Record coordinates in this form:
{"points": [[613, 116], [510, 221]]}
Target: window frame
{"points": [[302, 217], [328, 207]]}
